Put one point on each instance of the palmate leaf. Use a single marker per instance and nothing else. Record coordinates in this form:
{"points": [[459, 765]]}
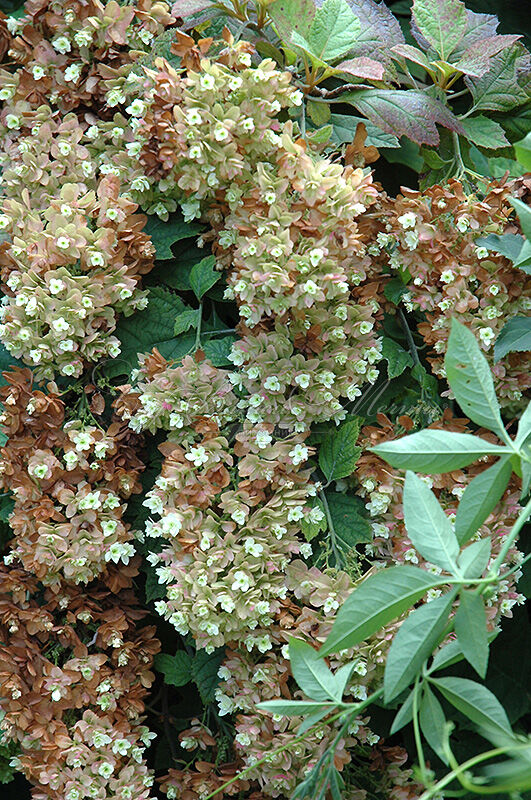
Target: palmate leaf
{"points": [[332, 33], [474, 701], [480, 498], [442, 23], [152, 327], [402, 112], [164, 234], [379, 29], [344, 129], [470, 625], [484, 132], [505, 84], [433, 451], [476, 60]]}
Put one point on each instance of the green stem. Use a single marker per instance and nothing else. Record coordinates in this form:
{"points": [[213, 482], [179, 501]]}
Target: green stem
{"points": [[197, 343], [331, 529], [416, 730], [409, 337], [357, 708], [472, 762]]}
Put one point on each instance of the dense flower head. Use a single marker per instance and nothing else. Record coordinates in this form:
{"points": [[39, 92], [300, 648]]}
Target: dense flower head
{"points": [[381, 486], [66, 50], [230, 520], [430, 238], [293, 236], [74, 252], [173, 397], [306, 371], [70, 482], [74, 672], [222, 122]]}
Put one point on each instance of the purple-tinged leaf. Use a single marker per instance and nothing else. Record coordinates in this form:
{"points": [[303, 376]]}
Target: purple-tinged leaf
{"points": [[363, 67], [442, 23], [404, 113], [412, 54], [380, 29], [185, 8], [476, 60], [484, 132], [507, 82], [479, 26]]}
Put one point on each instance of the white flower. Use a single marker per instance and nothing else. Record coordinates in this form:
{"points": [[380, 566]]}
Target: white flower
{"points": [[73, 72], [61, 44], [487, 335], [447, 276], [60, 324], [136, 108], [12, 121], [56, 285], [241, 581], [63, 242], [198, 455], [462, 224], [263, 439], [298, 454], [106, 769], [407, 220], [207, 82], [253, 548], [38, 72], [193, 117], [296, 97]]}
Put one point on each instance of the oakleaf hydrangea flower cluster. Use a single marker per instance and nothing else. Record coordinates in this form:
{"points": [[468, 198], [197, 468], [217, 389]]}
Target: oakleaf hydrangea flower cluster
{"points": [[430, 238], [70, 483]]}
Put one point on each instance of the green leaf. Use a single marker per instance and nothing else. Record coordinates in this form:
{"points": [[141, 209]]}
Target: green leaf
{"points": [[379, 599], [292, 15], [414, 642], [480, 497], [404, 715], [412, 53], [509, 245], [400, 112], [452, 653], [522, 150], [397, 358], [312, 719], [432, 722], [428, 527], [295, 708], [310, 671], [470, 379], [470, 625], [524, 215], [176, 669], [441, 22], [515, 336], [312, 529], [332, 33], [164, 234], [152, 327], [203, 276], [204, 672], [500, 89], [474, 701], [524, 427], [218, 350], [186, 320], [394, 289], [484, 132], [339, 453], [436, 452], [350, 525], [474, 558]]}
